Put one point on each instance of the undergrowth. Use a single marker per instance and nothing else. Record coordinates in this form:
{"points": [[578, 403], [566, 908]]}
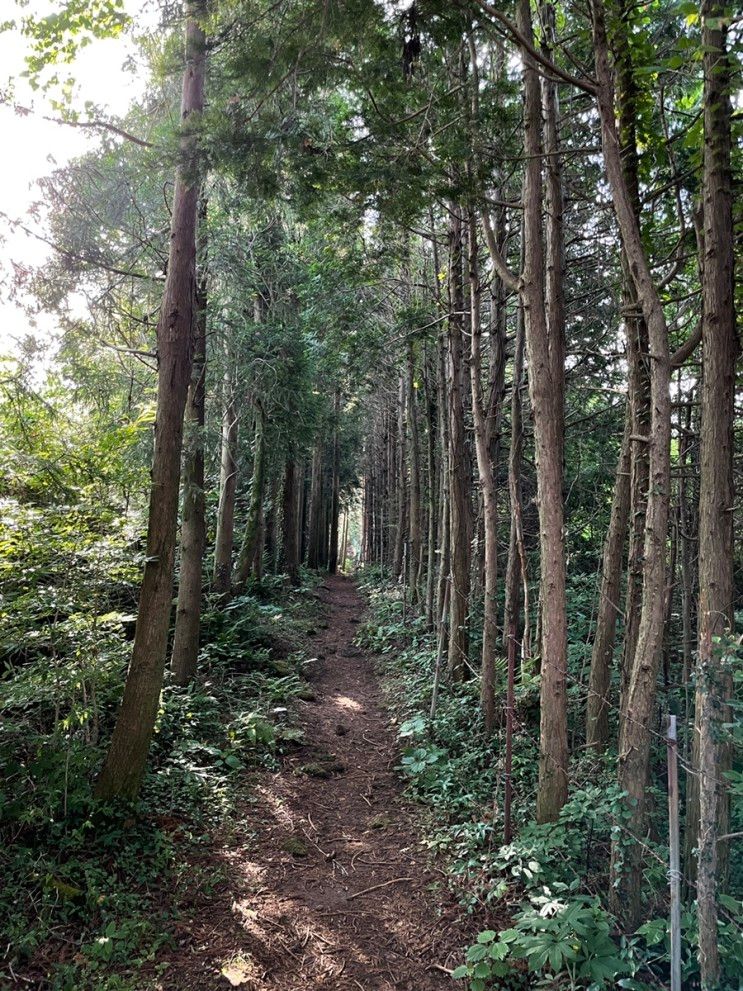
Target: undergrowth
{"points": [[551, 881], [91, 894]]}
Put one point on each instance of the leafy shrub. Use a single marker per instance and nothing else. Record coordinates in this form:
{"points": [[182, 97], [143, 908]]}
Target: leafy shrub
{"points": [[554, 937]]}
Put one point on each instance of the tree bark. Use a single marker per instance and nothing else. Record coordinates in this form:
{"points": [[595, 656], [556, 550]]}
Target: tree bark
{"points": [[272, 521], [225, 538], [716, 482], [444, 573], [635, 733], [602, 655], [252, 539], [487, 487], [638, 360], [314, 528], [125, 763], [415, 482], [193, 522], [289, 524], [460, 513], [516, 567], [401, 471], [344, 540], [544, 332], [335, 496], [432, 491]]}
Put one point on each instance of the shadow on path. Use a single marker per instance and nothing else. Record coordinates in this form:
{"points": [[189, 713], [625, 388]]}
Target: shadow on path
{"points": [[328, 887]]}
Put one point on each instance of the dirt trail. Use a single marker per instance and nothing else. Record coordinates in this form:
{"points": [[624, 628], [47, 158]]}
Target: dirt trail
{"points": [[298, 913]]}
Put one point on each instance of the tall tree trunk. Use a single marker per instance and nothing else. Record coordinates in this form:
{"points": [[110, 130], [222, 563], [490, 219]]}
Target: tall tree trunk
{"points": [[289, 525], [415, 481], [432, 490], [314, 528], [602, 655], [516, 567], [272, 522], [716, 485], [260, 544], [344, 539], [125, 763], [325, 526], [635, 733], [302, 512], [367, 546], [224, 542], [252, 538], [638, 358], [545, 349], [460, 512], [487, 486], [444, 574], [401, 471], [688, 528], [193, 522], [335, 496]]}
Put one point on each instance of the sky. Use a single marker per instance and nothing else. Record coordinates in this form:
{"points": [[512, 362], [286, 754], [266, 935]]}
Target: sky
{"points": [[33, 147]]}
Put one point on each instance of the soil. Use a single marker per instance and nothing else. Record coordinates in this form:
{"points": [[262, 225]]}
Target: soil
{"points": [[328, 885]]}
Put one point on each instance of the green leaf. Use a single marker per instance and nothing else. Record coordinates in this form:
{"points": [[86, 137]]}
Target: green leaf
{"points": [[476, 952]]}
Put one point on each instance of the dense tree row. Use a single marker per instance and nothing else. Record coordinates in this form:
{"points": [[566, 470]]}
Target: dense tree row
{"points": [[458, 279]]}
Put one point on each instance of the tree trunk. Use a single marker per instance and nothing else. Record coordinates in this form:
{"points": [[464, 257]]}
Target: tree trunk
{"points": [[415, 482], [545, 349], [602, 655], [634, 740], [335, 497], [688, 528], [401, 471], [289, 525], [638, 360], [487, 487], [227, 486], [444, 575], [716, 484], [314, 528], [432, 491], [325, 527], [252, 539], [272, 521], [516, 567], [344, 539], [460, 513], [260, 544], [125, 763], [193, 523]]}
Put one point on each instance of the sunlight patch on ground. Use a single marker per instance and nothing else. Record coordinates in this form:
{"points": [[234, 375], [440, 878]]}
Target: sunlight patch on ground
{"points": [[277, 806], [239, 971], [345, 702]]}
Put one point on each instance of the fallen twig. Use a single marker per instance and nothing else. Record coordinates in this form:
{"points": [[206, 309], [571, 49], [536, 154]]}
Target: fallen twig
{"points": [[437, 966], [376, 887]]}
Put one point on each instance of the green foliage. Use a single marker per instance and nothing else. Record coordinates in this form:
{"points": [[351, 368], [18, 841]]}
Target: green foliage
{"points": [[111, 880], [653, 941], [57, 37], [563, 935], [557, 936]]}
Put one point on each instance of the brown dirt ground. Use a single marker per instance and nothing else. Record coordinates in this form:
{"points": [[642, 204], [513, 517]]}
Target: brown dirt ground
{"points": [[327, 885]]}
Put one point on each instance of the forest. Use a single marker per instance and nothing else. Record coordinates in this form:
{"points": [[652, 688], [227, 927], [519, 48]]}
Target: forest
{"points": [[368, 560]]}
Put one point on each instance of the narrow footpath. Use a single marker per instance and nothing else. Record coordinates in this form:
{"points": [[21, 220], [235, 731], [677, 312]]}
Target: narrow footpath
{"points": [[329, 886]]}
